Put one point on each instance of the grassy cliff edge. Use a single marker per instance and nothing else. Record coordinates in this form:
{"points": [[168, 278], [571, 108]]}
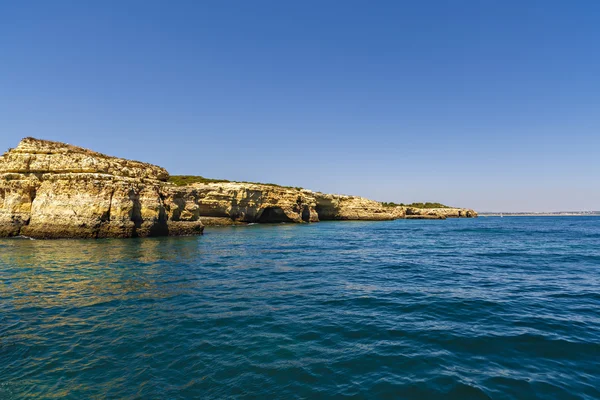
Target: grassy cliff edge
{"points": [[184, 180]]}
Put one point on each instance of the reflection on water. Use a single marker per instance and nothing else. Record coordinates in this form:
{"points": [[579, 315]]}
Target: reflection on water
{"points": [[85, 273], [501, 308]]}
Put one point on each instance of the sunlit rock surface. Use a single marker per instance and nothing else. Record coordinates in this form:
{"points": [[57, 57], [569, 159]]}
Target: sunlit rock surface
{"points": [[54, 190]]}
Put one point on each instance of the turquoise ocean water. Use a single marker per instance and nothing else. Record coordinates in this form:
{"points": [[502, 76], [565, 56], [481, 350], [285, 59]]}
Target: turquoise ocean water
{"points": [[501, 308]]}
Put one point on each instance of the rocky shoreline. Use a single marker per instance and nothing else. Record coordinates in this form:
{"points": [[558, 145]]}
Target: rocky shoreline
{"points": [[55, 190]]}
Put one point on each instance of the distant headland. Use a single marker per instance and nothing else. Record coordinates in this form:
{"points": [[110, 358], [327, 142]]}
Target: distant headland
{"points": [[56, 190], [540, 214]]}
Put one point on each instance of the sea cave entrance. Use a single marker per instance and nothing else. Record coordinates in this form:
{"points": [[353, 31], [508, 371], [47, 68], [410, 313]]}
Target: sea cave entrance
{"points": [[326, 212], [271, 215], [306, 214]]}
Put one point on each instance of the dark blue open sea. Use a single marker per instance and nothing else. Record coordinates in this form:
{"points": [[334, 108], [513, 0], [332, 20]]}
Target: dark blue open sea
{"points": [[501, 308]]}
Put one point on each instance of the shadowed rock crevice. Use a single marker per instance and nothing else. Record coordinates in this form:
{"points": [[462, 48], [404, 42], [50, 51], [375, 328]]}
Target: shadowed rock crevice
{"points": [[306, 214], [136, 213], [106, 215], [160, 226]]}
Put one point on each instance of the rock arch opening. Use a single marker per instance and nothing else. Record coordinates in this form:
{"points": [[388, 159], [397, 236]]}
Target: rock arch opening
{"points": [[271, 215], [326, 212]]}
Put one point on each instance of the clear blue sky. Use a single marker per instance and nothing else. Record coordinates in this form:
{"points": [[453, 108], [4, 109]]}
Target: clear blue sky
{"points": [[493, 105]]}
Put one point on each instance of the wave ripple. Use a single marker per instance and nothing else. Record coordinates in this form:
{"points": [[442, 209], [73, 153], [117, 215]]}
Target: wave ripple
{"points": [[458, 309]]}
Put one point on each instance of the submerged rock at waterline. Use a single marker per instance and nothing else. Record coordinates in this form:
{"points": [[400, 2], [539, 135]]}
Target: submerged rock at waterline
{"points": [[55, 190]]}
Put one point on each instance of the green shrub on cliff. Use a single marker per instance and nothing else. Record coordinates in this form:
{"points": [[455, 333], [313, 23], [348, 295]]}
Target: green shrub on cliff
{"points": [[183, 180], [427, 205], [392, 204], [415, 205]]}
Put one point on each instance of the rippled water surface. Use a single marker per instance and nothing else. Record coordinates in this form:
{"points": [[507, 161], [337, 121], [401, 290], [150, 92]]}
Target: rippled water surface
{"points": [[496, 308]]}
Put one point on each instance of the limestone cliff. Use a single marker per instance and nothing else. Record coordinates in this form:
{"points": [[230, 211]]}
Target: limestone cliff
{"points": [[54, 190], [229, 202], [439, 213]]}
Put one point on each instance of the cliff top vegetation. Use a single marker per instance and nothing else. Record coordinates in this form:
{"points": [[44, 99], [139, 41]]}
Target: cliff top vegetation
{"points": [[415, 205], [183, 180]]}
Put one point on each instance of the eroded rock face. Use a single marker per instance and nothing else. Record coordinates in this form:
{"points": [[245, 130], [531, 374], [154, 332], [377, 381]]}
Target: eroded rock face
{"points": [[340, 207], [246, 202], [44, 156], [55, 190], [439, 213], [16, 198], [241, 202]]}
